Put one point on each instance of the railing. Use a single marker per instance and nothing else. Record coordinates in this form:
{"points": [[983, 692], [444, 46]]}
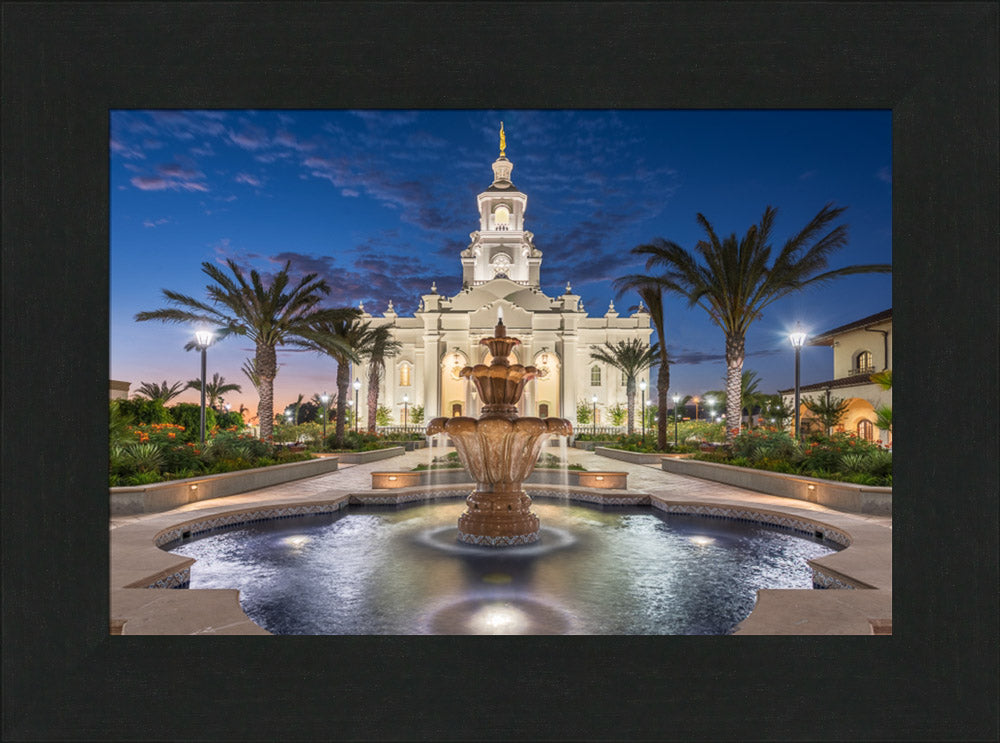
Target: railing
{"points": [[870, 369], [410, 428]]}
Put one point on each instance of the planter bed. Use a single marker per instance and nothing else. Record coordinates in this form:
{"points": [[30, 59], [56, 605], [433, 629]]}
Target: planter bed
{"points": [[360, 457], [635, 457], [844, 496], [163, 496], [591, 445], [392, 480]]}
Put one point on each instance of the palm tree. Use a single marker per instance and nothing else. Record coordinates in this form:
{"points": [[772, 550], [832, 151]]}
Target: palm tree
{"points": [[269, 314], [324, 408], [735, 283], [652, 294], [750, 395], [162, 392], [340, 339], [378, 345], [829, 411], [774, 408], [883, 413], [214, 389], [631, 357]]}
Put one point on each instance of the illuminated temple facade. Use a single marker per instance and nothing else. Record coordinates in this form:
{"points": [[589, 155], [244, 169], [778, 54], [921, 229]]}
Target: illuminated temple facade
{"points": [[500, 275]]}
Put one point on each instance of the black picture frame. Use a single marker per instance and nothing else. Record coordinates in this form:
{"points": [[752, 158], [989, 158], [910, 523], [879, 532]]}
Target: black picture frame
{"points": [[66, 65]]}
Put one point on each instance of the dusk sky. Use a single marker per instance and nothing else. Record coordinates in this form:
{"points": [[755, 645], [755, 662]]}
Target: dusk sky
{"points": [[380, 203]]}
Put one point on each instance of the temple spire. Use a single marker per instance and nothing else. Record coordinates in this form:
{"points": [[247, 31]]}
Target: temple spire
{"points": [[503, 141]]}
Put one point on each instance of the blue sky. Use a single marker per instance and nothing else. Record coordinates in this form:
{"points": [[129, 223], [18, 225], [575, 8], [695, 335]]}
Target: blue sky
{"points": [[380, 203]]}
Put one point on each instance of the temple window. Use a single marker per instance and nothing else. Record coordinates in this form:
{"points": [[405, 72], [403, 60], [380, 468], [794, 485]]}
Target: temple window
{"points": [[404, 375], [595, 376]]}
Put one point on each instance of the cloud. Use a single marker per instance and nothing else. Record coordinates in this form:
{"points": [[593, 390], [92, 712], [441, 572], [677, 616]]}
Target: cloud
{"points": [[349, 192], [248, 179], [808, 174], [128, 152], [156, 183], [287, 139], [156, 222], [249, 138], [884, 174]]}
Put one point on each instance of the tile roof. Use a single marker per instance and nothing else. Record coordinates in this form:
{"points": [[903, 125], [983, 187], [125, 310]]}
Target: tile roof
{"points": [[854, 381], [826, 338]]}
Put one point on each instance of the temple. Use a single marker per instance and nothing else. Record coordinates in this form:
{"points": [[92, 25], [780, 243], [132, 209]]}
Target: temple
{"points": [[501, 271]]}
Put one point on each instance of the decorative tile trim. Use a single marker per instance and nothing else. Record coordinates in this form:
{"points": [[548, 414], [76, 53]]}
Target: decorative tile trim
{"points": [[486, 541], [822, 580], [736, 513], [166, 539], [180, 579]]}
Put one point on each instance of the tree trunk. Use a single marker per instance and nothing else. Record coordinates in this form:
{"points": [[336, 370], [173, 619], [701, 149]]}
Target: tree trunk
{"points": [[734, 386], [662, 389], [373, 380], [630, 396], [266, 362], [343, 383]]}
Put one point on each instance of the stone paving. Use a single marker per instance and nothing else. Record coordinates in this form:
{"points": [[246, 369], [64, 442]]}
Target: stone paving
{"points": [[790, 612]]}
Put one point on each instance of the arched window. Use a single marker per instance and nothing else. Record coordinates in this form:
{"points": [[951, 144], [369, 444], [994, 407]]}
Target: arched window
{"points": [[543, 410], [456, 410], [501, 218], [866, 430], [595, 376], [404, 375], [864, 363]]}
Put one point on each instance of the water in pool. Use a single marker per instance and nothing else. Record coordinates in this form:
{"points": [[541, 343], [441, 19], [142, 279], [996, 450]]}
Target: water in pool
{"points": [[388, 570]]}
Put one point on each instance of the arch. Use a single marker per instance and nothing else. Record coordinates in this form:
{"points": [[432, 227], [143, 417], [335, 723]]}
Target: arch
{"points": [[456, 409], [864, 362], [866, 430], [500, 265], [405, 374], [543, 410], [595, 376]]}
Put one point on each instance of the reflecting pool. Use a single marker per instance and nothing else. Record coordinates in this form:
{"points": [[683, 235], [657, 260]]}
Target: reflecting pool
{"points": [[401, 570]]}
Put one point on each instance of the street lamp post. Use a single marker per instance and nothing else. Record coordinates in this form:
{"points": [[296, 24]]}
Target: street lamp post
{"points": [[325, 399], [642, 388], [797, 339], [203, 338], [677, 400], [406, 407], [594, 401], [357, 386]]}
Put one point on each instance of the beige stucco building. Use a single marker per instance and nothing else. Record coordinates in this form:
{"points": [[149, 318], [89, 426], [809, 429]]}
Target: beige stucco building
{"points": [[860, 349], [119, 390], [501, 270]]}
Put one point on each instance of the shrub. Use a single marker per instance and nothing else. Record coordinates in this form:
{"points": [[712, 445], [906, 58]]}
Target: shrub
{"points": [[765, 443], [144, 457], [383, 416], [618, 414], [188, 414], [232, 419], [143, 410], [416, 415]]}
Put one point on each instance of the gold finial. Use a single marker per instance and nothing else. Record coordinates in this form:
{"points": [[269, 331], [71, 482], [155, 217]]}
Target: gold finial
{"points": [[503, 140]]}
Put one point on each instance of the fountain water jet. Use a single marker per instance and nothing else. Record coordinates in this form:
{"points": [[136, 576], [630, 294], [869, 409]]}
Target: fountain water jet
{"points": [[499, 449]]}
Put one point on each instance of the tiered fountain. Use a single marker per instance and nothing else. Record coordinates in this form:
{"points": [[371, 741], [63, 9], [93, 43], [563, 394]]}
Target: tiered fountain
{"points": [[499, 449]]}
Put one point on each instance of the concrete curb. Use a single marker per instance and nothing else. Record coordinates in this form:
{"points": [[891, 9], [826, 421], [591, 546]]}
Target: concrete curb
{"points": [[163, 496]]}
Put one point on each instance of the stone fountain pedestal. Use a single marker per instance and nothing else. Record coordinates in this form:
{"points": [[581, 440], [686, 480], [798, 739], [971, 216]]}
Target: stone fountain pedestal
{"points": [[499, 450]]}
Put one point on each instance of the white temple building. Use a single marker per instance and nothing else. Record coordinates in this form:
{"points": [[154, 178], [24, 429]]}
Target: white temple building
{"points": [[500, 276]]}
